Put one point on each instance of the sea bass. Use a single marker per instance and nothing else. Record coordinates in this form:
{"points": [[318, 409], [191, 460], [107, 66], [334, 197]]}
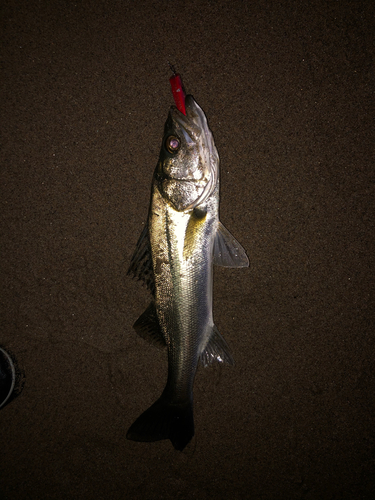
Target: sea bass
{"points": [[175, 254]]}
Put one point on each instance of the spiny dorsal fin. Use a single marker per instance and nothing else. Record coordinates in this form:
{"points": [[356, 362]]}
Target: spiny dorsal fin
{"points": [[216, 350], [227, 251], [147, 326], [141, 262]]}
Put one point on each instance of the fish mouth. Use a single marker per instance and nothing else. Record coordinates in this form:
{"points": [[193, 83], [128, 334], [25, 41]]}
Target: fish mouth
{"points": [[195, 129], [194, 123]]}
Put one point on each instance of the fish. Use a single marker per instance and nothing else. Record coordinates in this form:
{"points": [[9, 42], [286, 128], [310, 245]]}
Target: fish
{"points": [[180, 244]]}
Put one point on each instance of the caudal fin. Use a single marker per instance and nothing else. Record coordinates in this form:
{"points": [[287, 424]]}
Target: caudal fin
{"points": [[164, 420]]}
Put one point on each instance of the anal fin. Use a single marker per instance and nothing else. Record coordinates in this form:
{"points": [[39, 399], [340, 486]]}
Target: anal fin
{"points": [[216, 350]]}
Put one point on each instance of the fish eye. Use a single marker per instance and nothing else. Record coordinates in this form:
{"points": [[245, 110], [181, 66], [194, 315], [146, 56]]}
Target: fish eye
{"points": [[172, 144]]}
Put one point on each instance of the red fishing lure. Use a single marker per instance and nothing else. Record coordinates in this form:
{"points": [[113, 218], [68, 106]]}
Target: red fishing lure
{"points": [[178, 91]]}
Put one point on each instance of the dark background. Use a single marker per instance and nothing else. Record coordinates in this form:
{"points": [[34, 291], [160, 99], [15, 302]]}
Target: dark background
{"points": [[288, 89]]}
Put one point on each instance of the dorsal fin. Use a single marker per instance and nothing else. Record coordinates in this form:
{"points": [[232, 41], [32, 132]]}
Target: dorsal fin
{"points": [[141, 262], [147, 326]]}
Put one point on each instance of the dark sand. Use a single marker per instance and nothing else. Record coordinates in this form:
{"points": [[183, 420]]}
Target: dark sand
{"points": [[288, 89]]}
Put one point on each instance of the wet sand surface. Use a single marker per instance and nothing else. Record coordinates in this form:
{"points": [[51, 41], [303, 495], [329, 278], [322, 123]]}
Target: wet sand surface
{"points": [[288, 89]]}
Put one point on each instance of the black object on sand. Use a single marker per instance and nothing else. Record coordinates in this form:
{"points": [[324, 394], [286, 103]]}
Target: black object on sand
{"points": [[7, 377]]}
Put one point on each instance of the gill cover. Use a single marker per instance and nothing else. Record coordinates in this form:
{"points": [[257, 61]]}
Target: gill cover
{"points": [[187, 170]]}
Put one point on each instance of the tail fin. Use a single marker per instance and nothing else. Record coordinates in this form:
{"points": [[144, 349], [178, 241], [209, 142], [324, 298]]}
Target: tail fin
{"points": [[164, 420]]}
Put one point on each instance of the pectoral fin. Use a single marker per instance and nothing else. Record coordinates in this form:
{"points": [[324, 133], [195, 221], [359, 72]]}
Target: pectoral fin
{"points": [[227, 251], [216, 350]]}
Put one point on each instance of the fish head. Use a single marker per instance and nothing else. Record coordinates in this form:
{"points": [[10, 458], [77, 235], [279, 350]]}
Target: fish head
{"points": [[188, 167]]}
